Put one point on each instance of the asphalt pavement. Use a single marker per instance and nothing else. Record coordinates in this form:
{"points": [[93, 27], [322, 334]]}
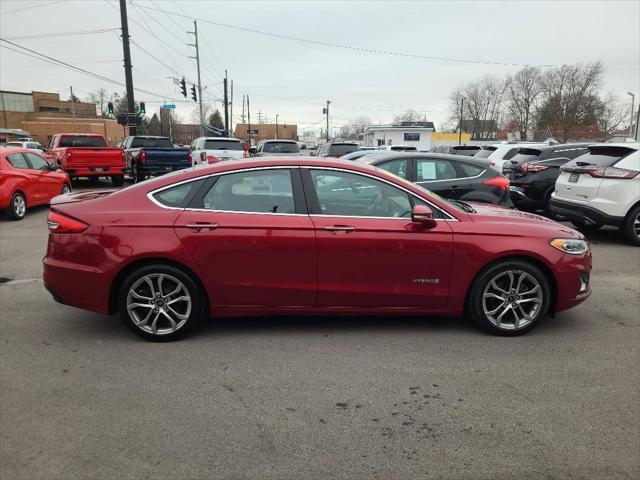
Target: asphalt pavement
{"points": [[81, 397]]}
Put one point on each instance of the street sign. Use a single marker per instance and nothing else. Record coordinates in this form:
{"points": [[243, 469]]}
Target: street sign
{"points": [[253, 131], [168, 106]]}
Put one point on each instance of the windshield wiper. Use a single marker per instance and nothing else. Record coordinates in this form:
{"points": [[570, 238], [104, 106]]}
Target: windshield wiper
{"points": [[465, 206]]}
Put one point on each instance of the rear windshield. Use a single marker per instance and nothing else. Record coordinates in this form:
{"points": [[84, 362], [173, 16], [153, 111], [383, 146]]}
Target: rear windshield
{"points": [[281, 147], [150, 142], [403, 148], [601, 157], [526, 155], [82, 141], [484, 153], [339, 149], [222, 145], [465, 150]]}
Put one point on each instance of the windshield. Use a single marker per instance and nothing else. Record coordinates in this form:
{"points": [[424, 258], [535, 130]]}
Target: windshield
{"points": [[526, 155], [281, 147], [601, 157], [340, 149], [223, 145], [82, 141], [151, 142]]}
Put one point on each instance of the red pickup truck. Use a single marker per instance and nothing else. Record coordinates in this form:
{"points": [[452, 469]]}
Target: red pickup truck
{"points": [[87, 155]]}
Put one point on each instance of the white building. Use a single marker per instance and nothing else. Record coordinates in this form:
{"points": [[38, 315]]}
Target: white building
{"points": [[417, 134]]}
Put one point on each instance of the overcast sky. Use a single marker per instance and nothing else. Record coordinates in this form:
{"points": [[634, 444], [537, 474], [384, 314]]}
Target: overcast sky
{"points": [[293, 78]]}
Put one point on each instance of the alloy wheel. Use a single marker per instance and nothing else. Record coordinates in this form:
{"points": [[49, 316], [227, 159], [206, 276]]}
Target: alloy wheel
{"points": [[636, 225], [158, 304], [512, 299], [65, 189], [19, 206]]}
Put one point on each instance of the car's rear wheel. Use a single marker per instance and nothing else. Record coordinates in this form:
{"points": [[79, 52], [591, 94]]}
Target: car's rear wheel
{"points": [[160, 302], [117, 180], [136, 176], [631, 226], [509, 297], [18, 207], [586, 227]]}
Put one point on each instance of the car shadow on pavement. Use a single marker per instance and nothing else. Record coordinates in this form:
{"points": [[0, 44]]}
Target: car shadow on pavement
{"points": [[608, 236]]}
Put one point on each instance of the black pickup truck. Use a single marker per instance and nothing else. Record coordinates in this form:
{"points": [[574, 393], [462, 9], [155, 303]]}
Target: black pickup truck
{"points": [[148, 156]]}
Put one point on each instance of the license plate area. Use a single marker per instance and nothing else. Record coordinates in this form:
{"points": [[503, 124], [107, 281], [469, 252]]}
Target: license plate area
{"points": [[573, 178]]}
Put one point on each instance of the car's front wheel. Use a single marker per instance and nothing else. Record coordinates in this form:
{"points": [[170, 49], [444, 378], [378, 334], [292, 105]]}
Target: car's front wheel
{"points": [[160, 302], [509, 297]]}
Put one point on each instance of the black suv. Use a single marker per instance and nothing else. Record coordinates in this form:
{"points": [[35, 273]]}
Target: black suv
{"points": [[533, 172]]}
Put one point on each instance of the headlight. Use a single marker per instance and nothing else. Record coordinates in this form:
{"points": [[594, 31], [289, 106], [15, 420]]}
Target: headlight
{"points": [[570, 245]]}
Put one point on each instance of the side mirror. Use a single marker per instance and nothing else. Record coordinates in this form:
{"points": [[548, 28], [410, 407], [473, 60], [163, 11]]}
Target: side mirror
{"points": [[423, 215]]}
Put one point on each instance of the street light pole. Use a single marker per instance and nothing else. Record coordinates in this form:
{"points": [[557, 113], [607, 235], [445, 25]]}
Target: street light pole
{"points": [[633, 98]]}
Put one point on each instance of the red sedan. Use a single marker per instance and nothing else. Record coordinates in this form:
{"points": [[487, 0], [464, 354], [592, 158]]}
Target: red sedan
{"points": [[27, 180], [305, 236]]}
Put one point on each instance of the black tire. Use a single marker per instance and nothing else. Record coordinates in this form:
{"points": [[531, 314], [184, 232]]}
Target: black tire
{"points": [[586, 227], [475, 306], [18, 207], [94, 180], [136, 176], [631, 223], [117, 180], [172, 275], [546, 205]]}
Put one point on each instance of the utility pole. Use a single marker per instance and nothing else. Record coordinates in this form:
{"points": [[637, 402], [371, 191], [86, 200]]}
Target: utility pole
{"points": [[226, 104], [128, 76], [461, 116], [73, 111], [249, 120], [231, 111], [327, 112], [242, 109], [197, 57], [277, 126]]}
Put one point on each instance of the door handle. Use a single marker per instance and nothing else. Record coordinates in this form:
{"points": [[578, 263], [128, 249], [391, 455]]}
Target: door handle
{"points": [[339, 228], [199, 227]]}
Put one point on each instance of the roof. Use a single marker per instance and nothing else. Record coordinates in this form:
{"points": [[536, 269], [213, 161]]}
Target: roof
{"points": [[404, 126], [632, 145], [374, 159]]}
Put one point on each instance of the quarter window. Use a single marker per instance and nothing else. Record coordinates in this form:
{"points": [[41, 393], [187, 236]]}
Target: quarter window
{"points": [[397, 167], [433, 169], [177, 196], [263, 191], [17, 161], [349, 194]]}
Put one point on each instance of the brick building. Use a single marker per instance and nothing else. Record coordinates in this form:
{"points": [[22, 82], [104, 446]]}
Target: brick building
{"points": [[267, 131], [43, 114]]}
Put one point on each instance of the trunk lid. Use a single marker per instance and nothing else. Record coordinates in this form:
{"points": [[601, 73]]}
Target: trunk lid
{"points": [[94, 157]]}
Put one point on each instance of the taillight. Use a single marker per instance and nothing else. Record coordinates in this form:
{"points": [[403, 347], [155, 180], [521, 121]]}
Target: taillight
{"points": [[59, 223], [532, 167], [603, 172], [203, 157], [213, 159], [493, 165], [501, 182], [190, 158], [142, 158]]}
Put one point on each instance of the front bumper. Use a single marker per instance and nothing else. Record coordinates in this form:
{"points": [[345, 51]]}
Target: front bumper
{"points": [[572, 274], [583, 213]]}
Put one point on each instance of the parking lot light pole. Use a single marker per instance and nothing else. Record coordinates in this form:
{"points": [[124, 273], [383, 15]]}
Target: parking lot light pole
{"points": [[633, 98]]}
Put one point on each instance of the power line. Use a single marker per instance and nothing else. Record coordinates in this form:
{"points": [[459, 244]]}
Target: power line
{"points": [[49, 59], [64, 34], [40, 5], [346, 47]]}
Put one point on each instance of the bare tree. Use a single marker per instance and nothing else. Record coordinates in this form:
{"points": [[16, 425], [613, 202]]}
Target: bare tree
{"points": [[570, 97], [611, 115], [355, 128], [100, 98], [523, 92], [409, 115], [483, 100]]}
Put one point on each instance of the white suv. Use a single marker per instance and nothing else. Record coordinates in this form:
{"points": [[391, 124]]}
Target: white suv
{"points": [[501, 152], [602, 187], [206, 150]]}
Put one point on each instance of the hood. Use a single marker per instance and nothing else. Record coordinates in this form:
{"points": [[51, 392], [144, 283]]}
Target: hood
{"points": [[491, 215]]}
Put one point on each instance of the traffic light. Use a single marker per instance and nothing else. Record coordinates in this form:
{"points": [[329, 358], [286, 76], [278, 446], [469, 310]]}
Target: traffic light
{"points": [[193, 93], [110, 108], [142, 108], [183, 87]]}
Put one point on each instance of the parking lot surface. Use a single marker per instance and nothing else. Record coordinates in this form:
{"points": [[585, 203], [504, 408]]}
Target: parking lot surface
{"points": [[81, 397]]}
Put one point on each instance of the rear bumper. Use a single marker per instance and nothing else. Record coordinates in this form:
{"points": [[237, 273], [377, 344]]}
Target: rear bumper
{"points": [[85, 171], [583, 213], [521, 200], [76, 285], [161, 169]]}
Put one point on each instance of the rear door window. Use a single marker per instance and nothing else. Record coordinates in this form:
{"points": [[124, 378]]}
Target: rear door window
{"points": [[397, 167], [470, 170], [18, 161], [434, 169], [81, 141]]}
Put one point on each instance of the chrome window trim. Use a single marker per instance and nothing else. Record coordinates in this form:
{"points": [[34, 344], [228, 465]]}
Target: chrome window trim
{"points": [[150, 194]]}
